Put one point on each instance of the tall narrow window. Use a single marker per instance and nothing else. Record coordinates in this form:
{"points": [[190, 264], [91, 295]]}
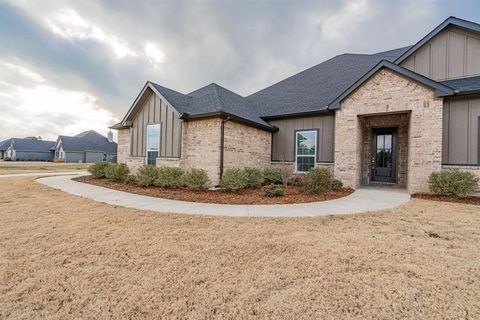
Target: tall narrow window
{"points": [[305, 150], [153, 143]]}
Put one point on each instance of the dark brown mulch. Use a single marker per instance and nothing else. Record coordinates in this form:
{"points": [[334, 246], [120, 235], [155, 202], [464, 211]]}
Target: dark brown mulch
{"points": [[433, 197], [247, 196]]}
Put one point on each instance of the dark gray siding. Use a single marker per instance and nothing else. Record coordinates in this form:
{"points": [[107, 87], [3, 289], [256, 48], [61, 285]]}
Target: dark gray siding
{"points": [[156, 110], [460, 131], [283, 141]]}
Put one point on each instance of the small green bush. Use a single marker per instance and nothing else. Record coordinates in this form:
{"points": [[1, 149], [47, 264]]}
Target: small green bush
{"points": [[234, 179], [98, 169], [272, 175], [337, 184], [169, 177], [458, 184], [274, 190], [254, 177], [130, 179], [117, 171], [147, 175], [317, 180], [196, 179]]}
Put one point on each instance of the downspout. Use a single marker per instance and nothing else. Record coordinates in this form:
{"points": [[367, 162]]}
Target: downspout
{"points": [[222, 143]]}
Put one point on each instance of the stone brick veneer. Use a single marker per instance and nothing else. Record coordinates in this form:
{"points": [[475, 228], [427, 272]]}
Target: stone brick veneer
{"points": [[387, 92], [400, 122]]}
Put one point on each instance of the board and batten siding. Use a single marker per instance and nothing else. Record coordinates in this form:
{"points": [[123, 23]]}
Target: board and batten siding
{"points": [[453, 53], [461, 119], [156, 110], [283, 141]]}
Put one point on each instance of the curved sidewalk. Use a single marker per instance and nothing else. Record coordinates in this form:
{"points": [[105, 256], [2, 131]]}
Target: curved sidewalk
{"points": [[362, 200]]}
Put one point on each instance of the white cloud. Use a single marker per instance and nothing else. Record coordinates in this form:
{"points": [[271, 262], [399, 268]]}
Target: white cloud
{"points": [[350, 16], [69, 24], [154, 54], [31, 106]]}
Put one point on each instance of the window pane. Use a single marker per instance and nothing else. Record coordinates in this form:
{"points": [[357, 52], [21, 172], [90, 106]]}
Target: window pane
{"points": [[380, 138], [388, 141], [304, 164], [153, 136], [306, 143], [152, 157]]}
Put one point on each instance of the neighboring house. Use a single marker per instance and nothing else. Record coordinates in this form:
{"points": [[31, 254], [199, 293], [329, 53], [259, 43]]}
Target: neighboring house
{"points": [[88, 146], [29, 149], [391, 117], [4, 146]]}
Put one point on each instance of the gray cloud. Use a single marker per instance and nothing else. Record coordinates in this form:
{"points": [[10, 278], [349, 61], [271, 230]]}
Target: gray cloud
{"points": [[243, 45]]}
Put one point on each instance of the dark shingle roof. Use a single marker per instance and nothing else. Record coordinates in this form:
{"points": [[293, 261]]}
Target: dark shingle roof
{"points": [[88, 141], [180, 101], [32, 144], [464, 85], [315, 88]]}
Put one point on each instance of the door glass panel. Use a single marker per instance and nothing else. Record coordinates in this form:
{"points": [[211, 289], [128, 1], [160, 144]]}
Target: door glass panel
{"points": [[388, 141], [380, 139]]}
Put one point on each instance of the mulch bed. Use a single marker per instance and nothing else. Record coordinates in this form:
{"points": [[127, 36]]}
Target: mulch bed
{"points": [[247, 196], [433, 197]]}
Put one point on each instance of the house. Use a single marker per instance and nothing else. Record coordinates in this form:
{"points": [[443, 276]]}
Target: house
{"points": [[391, 117], [27, 149], [88, 146]]}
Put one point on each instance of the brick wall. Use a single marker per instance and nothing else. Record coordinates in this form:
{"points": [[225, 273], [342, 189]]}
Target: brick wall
{"points": [[383, 93], [123, 146], [246, 146]]}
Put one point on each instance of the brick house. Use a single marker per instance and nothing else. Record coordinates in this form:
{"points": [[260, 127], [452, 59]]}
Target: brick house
{"points": [[391, 117]]}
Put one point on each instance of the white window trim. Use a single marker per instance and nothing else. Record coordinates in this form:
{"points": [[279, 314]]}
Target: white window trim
{"points": [[296, 149], [159, 140]]}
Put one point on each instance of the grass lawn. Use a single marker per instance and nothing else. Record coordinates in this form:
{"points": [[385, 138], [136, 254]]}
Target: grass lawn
{"points": [[64, 257], [13, 167]]}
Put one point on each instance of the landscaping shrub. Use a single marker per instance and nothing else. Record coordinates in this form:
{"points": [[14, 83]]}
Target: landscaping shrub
{"points": [[254, 177], [317, 180], [295, 181], [196, 179], [234, 180], [98, 169], [337, 184], [147, 175], [130, 179], [274, 190], [117, 171], [169, 177], [457, 184], [272, 175]]}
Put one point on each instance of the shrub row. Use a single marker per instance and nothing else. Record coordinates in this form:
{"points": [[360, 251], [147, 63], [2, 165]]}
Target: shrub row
{"points": [[148, 175], [236, 179]]}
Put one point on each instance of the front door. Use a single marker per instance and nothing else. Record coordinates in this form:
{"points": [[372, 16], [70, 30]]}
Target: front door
{"points": [[383, 155]]}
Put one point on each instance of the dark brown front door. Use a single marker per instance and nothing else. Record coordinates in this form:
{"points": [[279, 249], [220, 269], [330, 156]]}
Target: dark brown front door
{"points": [[383, 155]]}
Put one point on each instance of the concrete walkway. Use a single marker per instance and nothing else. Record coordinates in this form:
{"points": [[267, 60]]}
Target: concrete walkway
{"points": [[31, 174], [362, 200]]}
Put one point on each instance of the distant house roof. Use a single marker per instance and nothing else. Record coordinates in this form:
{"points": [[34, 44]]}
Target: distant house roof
{"points": [[88, 141], [464, 85], [5, 144], [31, 144]]}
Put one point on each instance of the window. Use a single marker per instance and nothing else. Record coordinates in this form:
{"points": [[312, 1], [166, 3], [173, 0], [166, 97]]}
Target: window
{"points": [[305, 150], [153, 143]]}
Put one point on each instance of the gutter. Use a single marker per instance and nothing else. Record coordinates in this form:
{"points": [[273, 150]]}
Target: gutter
{"points": [[187, 116], [222, 144]]}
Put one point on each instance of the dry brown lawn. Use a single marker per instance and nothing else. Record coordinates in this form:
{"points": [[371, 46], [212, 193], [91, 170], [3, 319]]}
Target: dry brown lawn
{"points": [[13, 167], [63, 257]]}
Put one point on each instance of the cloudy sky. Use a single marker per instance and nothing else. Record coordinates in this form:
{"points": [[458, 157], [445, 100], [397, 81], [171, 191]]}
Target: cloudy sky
{"points": [[69, 66]]}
